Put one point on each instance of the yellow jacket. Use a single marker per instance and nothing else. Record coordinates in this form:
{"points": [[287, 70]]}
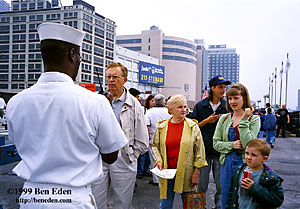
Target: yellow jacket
{"points": [[191, 155]]}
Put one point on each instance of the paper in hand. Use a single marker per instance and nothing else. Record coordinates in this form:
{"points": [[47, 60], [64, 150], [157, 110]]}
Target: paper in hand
{"points": [[165, 173]]}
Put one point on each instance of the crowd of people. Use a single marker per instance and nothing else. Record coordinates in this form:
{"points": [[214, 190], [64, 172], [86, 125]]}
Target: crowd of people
{"points": [[90, 144]]}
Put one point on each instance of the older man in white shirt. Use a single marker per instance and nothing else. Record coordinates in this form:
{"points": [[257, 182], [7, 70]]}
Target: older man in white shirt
{"points": [[158, 113], [121, 175], [62, 131]]}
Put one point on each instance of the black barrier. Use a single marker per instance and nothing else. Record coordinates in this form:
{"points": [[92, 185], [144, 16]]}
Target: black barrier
{"points": [[294, 126]]}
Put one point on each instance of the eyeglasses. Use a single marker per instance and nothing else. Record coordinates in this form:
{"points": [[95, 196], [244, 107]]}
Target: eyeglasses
{"points": [[80, 57], [114, 77]]}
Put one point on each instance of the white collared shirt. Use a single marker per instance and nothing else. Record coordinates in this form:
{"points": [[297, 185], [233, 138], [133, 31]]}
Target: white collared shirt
{"points": [[59, 128], [153, 116]]}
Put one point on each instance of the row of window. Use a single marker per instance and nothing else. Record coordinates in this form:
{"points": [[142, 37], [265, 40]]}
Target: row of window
{"points": [[32, 5], [134, 48], [181, 51], [129, 41], [71, 23], [178, 58], [21, 57], [53, 16], [179, 43]]}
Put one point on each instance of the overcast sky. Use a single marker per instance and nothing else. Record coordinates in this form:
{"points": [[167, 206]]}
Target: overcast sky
{"points": [[262, 31]]}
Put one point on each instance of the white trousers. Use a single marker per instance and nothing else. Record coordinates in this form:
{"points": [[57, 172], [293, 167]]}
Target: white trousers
{"points": [[120, 177], [55, 196]]}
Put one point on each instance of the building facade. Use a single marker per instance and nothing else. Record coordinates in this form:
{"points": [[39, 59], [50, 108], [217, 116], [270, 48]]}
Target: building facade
{"points": [[223, 61], [132, 61], [20, 57], [298, 108], [202, 65], [177, 55], [4, 6]]}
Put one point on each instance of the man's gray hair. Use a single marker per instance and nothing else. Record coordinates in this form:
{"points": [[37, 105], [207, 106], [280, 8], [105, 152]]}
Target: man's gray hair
{"points": [[159, 100]]}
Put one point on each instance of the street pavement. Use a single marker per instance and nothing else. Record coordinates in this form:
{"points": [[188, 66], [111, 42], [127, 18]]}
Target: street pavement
{"points": [[284, 160]]}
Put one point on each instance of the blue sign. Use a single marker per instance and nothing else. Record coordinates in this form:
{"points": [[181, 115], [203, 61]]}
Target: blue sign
{"points": [[152, 74]]}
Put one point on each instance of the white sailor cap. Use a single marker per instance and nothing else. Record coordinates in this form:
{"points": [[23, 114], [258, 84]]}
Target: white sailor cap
{"points": [[49, 30]]}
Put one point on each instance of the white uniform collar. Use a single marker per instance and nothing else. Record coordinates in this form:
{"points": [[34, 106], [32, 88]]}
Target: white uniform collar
{"points": [[55, 77]]}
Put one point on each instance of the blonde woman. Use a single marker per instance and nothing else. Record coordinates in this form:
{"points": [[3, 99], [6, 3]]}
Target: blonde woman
{"points": [[234, 130], [178, 144]]}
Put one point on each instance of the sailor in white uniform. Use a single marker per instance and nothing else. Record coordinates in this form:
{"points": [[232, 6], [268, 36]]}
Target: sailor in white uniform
{"points": [[62, 131]]}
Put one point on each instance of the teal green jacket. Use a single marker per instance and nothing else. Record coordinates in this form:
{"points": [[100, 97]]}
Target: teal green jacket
{"points": [[248, 129], [268, 193]]}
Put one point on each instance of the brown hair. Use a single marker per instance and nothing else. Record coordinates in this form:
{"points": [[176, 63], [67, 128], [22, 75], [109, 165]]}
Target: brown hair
{"points": [[147, 101], [117, 64], [238, 89], [261, 145]]}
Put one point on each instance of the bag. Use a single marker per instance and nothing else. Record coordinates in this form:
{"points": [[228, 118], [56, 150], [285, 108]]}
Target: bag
{"points": [[194, 200]]}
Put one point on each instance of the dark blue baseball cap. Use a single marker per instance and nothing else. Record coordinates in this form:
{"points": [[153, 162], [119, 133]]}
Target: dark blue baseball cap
{"points": [[218, 80]]}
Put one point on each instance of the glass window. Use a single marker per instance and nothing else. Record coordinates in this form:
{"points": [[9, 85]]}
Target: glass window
{"points": [[31, 5], [24, 6], [16, 7]]}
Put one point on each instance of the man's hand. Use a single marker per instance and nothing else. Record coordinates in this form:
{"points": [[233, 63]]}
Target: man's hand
{"points": [[195, 177], [213, 118], [110, 158], [160, 166], [246, 183]]}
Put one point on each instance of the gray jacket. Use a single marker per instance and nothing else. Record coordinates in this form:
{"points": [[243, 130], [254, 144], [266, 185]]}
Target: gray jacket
{"points": [[134, 127]]}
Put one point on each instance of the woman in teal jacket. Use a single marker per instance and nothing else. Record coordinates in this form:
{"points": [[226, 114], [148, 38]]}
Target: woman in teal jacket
{"points": [[234, 130]]}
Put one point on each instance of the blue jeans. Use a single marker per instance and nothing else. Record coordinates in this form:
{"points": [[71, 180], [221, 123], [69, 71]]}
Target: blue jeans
{"points": [[232, 161], [270, 136], [260, 134], [143, 164], [168, 203]]}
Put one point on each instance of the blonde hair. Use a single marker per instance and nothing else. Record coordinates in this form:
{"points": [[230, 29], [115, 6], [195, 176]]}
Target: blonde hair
{"points": [[261, 145], [175, 100], [117, 64], [238, 89]]}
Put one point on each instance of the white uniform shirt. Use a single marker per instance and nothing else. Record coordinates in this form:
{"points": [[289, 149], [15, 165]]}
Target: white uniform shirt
{"points": [[153, 116], [59, 128]]}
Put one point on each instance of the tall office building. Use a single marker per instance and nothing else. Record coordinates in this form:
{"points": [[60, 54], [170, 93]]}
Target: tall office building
{"points": [[202, 64], [177, 55], [298, 100], [20, 57], [223, 61], [4, 6]]}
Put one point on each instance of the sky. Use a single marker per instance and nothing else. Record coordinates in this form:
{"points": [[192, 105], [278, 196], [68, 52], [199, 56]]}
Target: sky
{"points": [[261, 31]]}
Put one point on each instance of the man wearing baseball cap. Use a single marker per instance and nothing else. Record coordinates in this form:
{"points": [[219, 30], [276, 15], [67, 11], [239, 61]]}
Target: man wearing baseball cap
{"points": [[61, 131], [207, 112]]}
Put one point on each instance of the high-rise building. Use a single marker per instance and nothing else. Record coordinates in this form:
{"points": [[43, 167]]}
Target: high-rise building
{"points": [[298, 100], [4, 6], [202, 61], [20, 57], [177, 55], [223, 61]]}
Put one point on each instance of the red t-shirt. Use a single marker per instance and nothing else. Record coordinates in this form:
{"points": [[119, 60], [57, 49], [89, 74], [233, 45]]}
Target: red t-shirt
{"points": [[173, 142]]}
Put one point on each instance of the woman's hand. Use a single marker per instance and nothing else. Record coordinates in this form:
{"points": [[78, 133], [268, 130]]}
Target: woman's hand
{"points": [[159, 166], [248, 112], [195, 177], [237, 144]]}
